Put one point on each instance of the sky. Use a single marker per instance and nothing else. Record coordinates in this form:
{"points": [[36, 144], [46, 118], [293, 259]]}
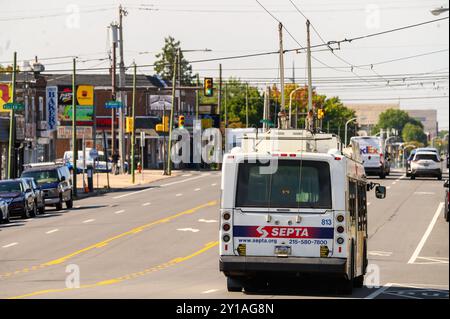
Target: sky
{"points": [[56, 30]]}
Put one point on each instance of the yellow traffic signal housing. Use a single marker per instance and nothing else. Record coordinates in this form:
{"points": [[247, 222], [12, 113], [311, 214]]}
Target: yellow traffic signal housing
{"points": [[129, 125], [207, 123], [320, 114], [208, 86], [181, 121]]}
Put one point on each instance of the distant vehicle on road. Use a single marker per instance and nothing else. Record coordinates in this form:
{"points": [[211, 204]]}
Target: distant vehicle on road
{"points": [[408, 162], [38, 194], [20, 198], [55, 181], [4, 212], [426, 164], [293, 208], [447, 200], [374, 155], [101, 163]]}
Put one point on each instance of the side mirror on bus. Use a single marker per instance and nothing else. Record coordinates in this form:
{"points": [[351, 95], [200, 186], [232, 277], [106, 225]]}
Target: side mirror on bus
{"points": [[380, 192]]}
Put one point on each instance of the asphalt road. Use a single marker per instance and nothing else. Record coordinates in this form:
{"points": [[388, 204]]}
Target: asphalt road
{"points": [[160, 241]]}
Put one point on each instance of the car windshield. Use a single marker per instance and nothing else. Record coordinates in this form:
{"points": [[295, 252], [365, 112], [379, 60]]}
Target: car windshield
{"points": [[295, 184], [43, 177], [426, 157], [10, 187]]}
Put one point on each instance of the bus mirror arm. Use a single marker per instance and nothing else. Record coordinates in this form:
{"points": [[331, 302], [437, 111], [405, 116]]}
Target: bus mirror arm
{"points": [[380, 191]]}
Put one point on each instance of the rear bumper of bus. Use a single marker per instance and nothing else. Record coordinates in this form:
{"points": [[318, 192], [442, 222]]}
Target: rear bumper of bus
{"points": [[244, 266]]}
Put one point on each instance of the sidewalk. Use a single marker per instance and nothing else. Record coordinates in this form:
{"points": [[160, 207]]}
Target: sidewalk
{"points": [[120, 181]]}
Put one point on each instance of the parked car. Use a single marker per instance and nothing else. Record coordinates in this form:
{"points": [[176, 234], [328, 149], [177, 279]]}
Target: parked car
{"points": [[426, 164], [4, 212], [19, 197], [38, 194], [447, 199], [55, 181]]}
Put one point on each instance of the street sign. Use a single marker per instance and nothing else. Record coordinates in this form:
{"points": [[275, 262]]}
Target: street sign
{"points": [[142, 139], [113, 105], [93, 153], [14, 106]]}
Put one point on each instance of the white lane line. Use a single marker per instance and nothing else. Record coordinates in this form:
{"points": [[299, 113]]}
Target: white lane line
{"points": [[186, 175], [77, 207], [193, 230], [163, 185], [380, 253], [388, 187], [208, 221], [394, 183], [52, 231], [425, 236], [209, 291], [368, 204], [119, 212], [214, 184], [178, 195], [379, 291], [10, 245], [197, 189], [146, 204], [88, 221]]}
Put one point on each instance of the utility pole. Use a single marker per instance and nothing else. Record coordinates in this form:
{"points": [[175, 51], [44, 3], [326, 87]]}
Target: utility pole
{"points": [[74, 130], [133, 128], [280, 29], [113, 86], [12, 124], [179, 81], [197, 98], [169, 151], [310, 92], [219, 98], [226, 108], [122, 76], [246, 105]]}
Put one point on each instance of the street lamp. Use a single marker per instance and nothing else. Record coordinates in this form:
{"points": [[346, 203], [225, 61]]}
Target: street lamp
{"points": [[439, 11], [291, 96], [346, 127]]}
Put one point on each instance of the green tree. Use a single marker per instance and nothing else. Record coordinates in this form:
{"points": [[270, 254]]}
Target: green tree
{"points": [[165, 62], [395, 119], [414, 133]]}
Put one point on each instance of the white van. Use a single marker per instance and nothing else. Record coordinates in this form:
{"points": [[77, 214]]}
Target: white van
{"points": [[100, 162], [373, 154]]}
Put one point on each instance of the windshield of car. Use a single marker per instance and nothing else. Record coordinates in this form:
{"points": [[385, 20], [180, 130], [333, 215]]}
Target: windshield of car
{"points": [[43, 177], [426, 157], [295, 184], [10, 187]]}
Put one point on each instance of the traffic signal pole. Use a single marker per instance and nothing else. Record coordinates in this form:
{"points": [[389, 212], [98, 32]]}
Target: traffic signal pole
{"points": [[133, 178], [12, 126], [169, 150], [74, 131]]}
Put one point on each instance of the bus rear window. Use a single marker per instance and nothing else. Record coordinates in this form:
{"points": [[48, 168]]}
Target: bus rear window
{"points": [[295, 184]]}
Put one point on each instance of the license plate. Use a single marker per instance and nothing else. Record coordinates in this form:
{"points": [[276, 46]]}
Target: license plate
{"points": [[283, 251]]}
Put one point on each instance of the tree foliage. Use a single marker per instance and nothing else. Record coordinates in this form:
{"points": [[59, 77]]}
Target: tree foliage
{"points": [[396, 119], [164, 64], [414, 133]]}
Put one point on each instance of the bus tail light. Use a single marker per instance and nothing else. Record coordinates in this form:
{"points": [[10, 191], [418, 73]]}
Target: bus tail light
{"points": [[226, 216], [226, 227], [340, 240], [340, 218], [340, 229], [226, 238]]}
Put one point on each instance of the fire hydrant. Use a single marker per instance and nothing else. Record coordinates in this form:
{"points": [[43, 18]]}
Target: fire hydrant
{"points": [[139, 167]]}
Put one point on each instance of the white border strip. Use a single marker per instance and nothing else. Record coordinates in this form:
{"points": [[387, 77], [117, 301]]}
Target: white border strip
{"points": [[425, 236]]}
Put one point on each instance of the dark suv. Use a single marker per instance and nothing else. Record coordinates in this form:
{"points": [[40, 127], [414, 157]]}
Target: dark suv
{"points": [[54, 179]]}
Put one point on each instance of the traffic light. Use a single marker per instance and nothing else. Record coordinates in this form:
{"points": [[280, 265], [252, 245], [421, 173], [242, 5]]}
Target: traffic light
{"points": [[181, 121], [320, 114], [129, 125], [208, 85]]}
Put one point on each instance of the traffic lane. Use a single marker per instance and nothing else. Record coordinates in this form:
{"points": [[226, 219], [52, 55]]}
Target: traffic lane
{"points": [[44, 248], [397, 241], [148, 249]]}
